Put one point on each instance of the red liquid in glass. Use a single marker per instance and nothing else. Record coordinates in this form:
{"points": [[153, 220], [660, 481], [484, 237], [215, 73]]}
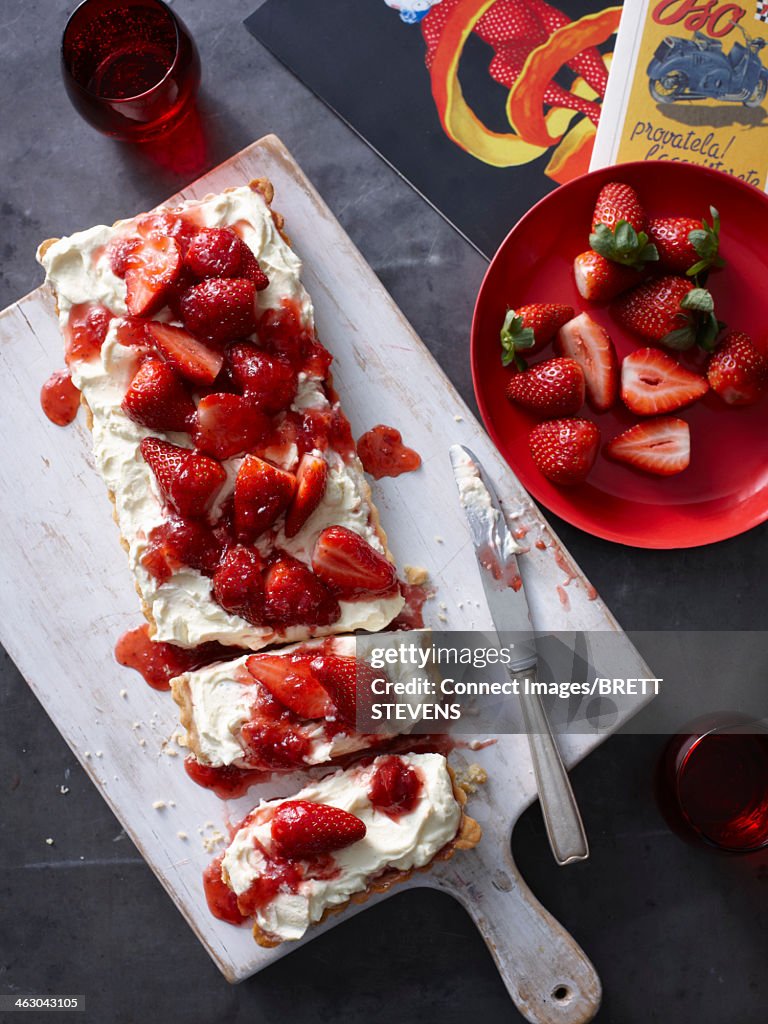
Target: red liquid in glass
{"points": [[130, 67], [715, 787]]}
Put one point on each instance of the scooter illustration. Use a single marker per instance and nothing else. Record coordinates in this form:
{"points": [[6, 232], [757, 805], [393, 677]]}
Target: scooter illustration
{"points": [[696, 69]]}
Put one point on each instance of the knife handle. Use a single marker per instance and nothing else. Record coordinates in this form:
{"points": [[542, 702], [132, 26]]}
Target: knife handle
{"points": [[565, 829]]}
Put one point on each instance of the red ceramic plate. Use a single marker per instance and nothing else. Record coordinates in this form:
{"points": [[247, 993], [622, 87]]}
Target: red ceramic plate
{"points": [[725, 489]]}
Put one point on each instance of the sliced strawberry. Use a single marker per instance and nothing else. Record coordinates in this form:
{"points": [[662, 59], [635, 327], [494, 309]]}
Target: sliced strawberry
{"points": [[180, 226], [188, 356], [599, 279], [349, 683], [220, 309], [395, 787], [262, 492], [178, 542], [238, 585], [282, 333], [296, 597], [151, 266], [304, 829], [661, 446], [652, 382], [292, 682], [350, 565], [565, 450], [228, 425], [311, 480], [187, 480], [157, 399], [268, 380], [737, 371], [527, 329], [250, 268], [552, 388], [586, 342], [219, 252]]}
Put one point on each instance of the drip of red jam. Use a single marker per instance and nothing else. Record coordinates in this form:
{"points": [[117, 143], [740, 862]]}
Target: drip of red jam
{"points": [[383, 453], [412, 613], [60, 398], [222, 902], [159, 662], [85, 331], [227, 781], [395, 788]]}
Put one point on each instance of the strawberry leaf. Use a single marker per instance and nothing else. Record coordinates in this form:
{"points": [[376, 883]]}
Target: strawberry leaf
{"points": [[623, 245], [706, 241], [681, 339], [708, 331], [698, 299], [514, 336]]}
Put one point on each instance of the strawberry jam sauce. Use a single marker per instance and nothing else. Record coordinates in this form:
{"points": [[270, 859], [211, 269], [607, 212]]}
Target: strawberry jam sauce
{"points": [[412, 613], [383, 453], [159, 662], [60, 398], [85, 331], [222, 902], [228, 781]]}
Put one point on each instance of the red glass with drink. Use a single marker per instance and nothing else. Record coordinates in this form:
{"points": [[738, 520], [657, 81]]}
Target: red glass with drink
{"points": [[130, 67]]}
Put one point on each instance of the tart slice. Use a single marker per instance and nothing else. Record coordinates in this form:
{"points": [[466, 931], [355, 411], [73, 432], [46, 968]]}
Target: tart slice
{"points": [[273, 712], [236, 484], [360, 831]]}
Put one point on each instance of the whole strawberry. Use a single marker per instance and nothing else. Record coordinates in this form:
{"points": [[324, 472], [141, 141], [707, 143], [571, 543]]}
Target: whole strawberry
{"points": [[686, 245], [529, 328], [553, 388], [671, 311], [565, 450], [737, 371], [617, 227]]}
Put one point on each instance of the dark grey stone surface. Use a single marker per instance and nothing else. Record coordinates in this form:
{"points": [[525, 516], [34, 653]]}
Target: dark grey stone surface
{"points": [[676, 933]]}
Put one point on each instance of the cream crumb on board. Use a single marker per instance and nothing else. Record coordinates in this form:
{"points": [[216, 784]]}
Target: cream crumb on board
{"points": [[49, 841], [158, 805]]}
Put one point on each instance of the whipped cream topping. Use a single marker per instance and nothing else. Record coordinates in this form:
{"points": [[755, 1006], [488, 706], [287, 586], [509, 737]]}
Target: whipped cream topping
{"points": [[410, 841], [182, 608]]}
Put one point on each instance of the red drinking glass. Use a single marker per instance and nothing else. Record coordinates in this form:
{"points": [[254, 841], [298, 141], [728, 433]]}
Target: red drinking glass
{"points": [[712, 783], [130, 67]]}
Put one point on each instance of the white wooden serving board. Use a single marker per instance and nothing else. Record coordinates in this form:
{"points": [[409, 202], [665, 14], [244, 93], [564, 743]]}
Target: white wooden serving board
{"points": [[68, 596]]}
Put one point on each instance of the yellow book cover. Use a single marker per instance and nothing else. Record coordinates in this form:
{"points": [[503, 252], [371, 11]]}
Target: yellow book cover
{"points": [[689, 82]]}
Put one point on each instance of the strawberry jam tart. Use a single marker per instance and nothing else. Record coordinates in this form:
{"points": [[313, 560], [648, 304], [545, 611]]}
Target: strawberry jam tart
{"points": [[356, 832], [237, 487]]}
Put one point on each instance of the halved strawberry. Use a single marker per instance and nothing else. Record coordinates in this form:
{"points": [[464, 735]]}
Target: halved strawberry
{"points": [[150, 266], [187, 480], [220, 252], [661, 446], [292, 682], [296, 597], [186, 354], [527, 329], [670, 310], [157, 399], [301, 828], [552, 388], [590, 345], [349, 565], [228, 425], [178, 542], [349, 683], [737, 371], [564, 450], [686, 245], [238, 585], [220, 309], [652, 382], [599, 279], [269, 380], [262, 492], [311, 480]]}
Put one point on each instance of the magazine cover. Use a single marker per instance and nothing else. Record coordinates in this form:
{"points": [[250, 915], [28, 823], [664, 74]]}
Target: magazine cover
{"points": [[689, 84]]}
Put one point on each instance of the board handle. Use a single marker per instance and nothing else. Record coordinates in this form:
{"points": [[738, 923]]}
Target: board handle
{"points": [[547, 974]]}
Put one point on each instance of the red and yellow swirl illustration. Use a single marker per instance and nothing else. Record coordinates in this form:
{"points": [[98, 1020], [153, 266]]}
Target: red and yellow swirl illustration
{"points": [[532, 41]]}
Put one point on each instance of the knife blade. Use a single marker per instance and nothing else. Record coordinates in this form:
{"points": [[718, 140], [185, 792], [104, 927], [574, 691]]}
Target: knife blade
{"points": [[496, 553]]}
